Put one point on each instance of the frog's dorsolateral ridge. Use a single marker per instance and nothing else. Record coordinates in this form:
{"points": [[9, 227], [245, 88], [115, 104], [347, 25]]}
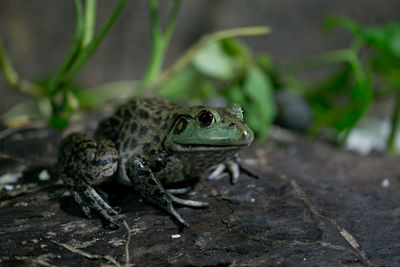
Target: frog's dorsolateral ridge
{"points": [[151, 144]]}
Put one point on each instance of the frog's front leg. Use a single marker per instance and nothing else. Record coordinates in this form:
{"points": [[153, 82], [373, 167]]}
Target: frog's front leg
{"points": [[233, 167], [141, 172], [83, 162]]}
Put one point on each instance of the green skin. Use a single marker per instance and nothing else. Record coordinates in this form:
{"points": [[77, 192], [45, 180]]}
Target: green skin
{"points": [[151, 144]]}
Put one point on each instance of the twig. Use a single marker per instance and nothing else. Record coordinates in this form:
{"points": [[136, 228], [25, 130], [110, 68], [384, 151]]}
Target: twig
{"points": [[39, 260], [88, 255], [127, 243]]}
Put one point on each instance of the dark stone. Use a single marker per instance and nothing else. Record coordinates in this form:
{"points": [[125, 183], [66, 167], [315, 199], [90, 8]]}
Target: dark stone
{"points": [[293, 215], [293, 111]]}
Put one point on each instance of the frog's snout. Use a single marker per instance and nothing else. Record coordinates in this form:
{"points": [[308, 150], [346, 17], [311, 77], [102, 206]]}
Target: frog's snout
{"points": [[246, 134]]}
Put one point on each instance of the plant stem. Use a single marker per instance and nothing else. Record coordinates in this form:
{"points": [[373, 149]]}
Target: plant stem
{"points": [[314, 61], [91, 48], [160, 41], [12, 77], [157, 49], [391, 142], [192, 51], [72, 52], [89, 22], [169, 28]]}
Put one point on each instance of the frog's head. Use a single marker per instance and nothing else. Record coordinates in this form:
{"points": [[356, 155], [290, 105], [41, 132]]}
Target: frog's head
{"points": [[207, 128]]}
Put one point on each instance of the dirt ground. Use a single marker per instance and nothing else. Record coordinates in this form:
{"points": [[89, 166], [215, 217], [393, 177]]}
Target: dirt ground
{"points": [[314, 205]]}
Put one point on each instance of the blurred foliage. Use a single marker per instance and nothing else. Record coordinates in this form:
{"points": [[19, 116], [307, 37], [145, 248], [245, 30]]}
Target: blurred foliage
{"points": [[368, 69], [57, 97], [221, 68]]}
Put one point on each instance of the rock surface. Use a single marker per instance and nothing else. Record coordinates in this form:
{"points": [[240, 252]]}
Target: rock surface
{"points": [[315, 205]]}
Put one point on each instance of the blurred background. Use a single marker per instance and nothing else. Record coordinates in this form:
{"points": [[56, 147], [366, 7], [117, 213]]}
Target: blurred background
{"points": [[37, 35]]}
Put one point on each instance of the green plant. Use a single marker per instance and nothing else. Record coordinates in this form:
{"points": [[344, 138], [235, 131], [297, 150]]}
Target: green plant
{"points": [[215, 65], [57, 97], [341, 99]]}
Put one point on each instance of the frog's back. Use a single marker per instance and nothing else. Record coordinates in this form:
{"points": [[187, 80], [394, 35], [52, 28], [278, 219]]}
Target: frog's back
{"points": [[138, 123]]}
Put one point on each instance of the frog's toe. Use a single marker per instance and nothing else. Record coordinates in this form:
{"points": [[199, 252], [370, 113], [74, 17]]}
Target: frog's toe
{"points": [[179, 191], [233, 169], [81, 200], [188, 203], [177, 216], [90, 201], [217, 172], [248, 172], [99, 203]]}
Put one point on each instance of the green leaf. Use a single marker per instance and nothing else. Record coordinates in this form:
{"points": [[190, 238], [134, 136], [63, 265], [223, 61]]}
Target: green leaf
{"points": [[235, 95], [342, 111], [59, 121], [386, 38], [332, 85], [213, 61], [265, 61], [27, 108], [95, 98], [206, 90], [181, 85], [234, 48], [258, 88], [256, 97], [332, 22]]}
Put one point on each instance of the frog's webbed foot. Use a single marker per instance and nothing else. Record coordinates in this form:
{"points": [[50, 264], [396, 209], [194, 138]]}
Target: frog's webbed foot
{"points": [[142, 173], [84, 162], [89, 200], [184, 202], [233, 167]]}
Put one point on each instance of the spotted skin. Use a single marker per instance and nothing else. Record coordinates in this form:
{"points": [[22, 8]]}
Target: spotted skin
{"points": [[149, 144]]}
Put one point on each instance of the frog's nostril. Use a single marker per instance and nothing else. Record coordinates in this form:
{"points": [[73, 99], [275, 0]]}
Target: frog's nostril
{"points": [[246, 135]]}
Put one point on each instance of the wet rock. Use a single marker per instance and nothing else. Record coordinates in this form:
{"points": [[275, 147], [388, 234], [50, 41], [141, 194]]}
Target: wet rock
{"points": [[320, 206], [293, 111]]}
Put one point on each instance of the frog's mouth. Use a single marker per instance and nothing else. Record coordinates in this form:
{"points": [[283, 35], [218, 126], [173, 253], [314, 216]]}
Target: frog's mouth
{"points": [[206, 147]]}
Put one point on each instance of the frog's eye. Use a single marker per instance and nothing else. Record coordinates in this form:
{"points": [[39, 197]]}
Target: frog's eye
{"points": [[205, 118]]}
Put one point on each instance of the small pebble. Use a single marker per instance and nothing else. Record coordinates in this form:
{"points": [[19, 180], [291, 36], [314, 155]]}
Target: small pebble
{"points": [[44, 175], [8, 187], [175, 236], [385, 183]]}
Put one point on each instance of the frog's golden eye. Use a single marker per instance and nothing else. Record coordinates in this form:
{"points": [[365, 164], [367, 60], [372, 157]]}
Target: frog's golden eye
{"points": [[205, 118]]}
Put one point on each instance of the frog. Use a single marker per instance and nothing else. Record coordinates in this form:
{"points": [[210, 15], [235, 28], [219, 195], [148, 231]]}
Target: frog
{"points": [[152, 144]]}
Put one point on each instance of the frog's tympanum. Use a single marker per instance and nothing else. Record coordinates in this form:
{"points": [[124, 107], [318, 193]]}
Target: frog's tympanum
{"points": [[151, 144]]}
